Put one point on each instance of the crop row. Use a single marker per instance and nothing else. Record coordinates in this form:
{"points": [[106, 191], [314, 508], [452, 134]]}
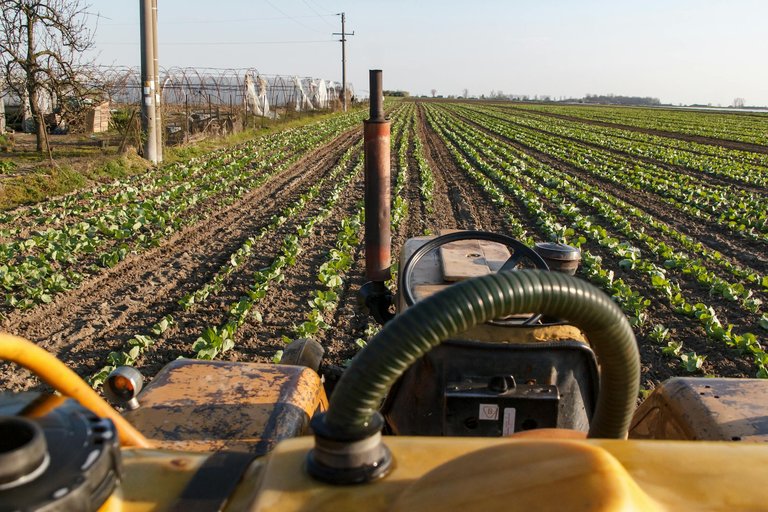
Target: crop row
{"points": [[515, 177], [219, 338], [633, 303], [324, 301], [216, 339], [727, 163], [740, 212], [747, 275], [736, 156], [33, 269], [750, 128]]}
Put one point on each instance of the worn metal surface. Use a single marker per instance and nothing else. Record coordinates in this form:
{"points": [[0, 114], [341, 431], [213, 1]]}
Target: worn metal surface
{"points": [[377, 200], [417, 404], [214, 405], [154, 479], [466, 259], [376, 93], [704, 409], [428, 278], [376, 140]]}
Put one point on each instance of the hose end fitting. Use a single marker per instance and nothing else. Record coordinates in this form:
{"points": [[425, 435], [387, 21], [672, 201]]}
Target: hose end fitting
{"points": [[348, 457]]}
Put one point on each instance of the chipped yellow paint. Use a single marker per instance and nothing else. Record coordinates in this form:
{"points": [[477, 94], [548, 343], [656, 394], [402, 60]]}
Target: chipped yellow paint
{"points": [[154, 479], [704, 409], [213, 405]]}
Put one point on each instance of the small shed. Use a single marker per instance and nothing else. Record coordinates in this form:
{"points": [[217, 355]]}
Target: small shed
{"points": [[97, 118]]}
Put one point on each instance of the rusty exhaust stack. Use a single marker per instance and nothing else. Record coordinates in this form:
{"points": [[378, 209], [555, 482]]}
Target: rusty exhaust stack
{"points": [[377, 209], [376, 137]]}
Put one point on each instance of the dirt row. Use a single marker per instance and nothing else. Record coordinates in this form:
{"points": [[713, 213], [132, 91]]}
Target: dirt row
{"points": [[656, 367], [710, 178], [701, 139], [750, 253], [82, 326]]}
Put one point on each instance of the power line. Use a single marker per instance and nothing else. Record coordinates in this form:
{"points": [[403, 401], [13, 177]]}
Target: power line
{"points": [[295, 19], [215, 43], [322, 7], [318, 13], [239, 20]]}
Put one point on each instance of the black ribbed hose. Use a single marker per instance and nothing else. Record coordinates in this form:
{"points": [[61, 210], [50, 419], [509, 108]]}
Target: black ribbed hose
{"points": [[464, 305]]}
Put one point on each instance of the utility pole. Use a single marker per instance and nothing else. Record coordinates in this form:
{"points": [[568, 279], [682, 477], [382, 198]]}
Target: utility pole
{"points": [[343, 40], [158, 92], [148, 123]]}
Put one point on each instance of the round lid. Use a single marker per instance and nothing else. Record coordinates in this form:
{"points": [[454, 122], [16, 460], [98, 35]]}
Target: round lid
{"points": [[77, 471], [553, 251], [23, 450]]}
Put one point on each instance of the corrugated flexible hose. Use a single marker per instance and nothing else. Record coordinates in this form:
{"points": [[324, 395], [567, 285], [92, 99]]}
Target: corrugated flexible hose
{"points": [[461, 306]]}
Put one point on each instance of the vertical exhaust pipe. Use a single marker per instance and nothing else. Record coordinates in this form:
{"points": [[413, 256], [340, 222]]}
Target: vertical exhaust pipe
{"points": [[376, 132], [374, 295]]}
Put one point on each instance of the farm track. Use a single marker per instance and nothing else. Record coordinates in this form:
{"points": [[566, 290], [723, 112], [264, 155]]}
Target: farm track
{"points": [[81, 327], [750, 253], [445, 211], [464, 197]]}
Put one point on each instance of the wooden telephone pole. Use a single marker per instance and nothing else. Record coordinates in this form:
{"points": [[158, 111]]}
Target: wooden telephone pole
{"points": [[343, 40]]}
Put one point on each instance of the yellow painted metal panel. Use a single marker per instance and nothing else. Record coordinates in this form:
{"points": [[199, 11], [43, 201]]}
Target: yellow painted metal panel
{"points": [[215, 405], [529, 474]]}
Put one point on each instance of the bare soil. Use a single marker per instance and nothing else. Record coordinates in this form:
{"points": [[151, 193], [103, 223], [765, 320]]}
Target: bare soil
{"points": [[701, 139], [82, 326]]}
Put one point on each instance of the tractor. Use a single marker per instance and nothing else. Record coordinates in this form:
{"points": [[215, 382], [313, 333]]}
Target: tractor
{"points": [[499, 381]]}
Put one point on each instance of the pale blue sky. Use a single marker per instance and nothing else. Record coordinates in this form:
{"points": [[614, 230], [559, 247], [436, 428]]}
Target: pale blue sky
{"points": [[682, 51]]}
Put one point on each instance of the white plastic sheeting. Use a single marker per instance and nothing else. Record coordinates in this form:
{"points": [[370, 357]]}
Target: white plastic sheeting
{"points": [[256, 95], [319, 94], [300, 101], [261, 90]]}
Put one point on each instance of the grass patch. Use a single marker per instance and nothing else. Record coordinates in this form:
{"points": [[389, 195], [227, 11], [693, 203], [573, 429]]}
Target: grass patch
{"points": [[259, 127], [39, 185], [49, 181], [44, 181], [116, 168]]}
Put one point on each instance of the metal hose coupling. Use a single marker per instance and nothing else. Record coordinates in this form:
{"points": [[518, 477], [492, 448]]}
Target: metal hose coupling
{"points": [[348, 457]]}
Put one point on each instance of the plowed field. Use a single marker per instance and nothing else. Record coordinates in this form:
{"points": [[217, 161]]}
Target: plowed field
{"points": [[233, 255]]}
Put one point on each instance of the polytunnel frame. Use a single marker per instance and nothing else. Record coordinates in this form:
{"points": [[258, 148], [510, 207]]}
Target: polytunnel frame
{"points": [[190, 94]]}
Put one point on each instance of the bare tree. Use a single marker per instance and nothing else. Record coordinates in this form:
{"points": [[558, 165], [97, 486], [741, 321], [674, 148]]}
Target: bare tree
{"points": [[738, 102], [434, 92], [41, 51], [465, 93]]}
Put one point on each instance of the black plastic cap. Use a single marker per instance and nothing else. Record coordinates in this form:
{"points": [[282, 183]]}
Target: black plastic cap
{"points": [[23, 449]]}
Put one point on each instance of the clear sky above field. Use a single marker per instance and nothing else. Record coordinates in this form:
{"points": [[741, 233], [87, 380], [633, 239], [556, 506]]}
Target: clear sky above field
{"points": [[681, 51]]}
